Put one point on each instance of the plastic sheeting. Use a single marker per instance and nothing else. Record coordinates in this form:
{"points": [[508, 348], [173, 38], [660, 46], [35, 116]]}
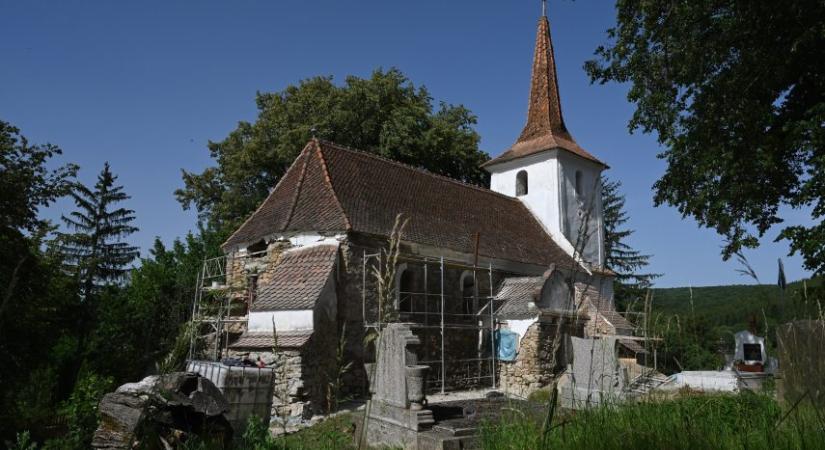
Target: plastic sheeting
{"points": [[506, 345], [703, 380]]}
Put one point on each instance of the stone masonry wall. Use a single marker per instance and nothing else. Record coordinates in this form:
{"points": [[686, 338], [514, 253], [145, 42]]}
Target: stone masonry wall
{"points": [[538, 360]]}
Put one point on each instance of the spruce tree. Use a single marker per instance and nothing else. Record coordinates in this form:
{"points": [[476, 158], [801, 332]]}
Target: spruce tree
{"points": [[620, 257], [95, 252]]}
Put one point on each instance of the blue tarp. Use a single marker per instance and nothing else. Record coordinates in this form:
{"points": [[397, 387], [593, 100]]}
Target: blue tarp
{"points": [[506, 345]]}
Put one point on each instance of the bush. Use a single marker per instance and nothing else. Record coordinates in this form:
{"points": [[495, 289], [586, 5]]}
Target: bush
{"points": [[256, 435], [80, 410], [23, 442]]}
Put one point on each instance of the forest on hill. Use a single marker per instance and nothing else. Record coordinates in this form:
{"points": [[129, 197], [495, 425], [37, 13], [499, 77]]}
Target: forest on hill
{"points": [[698, 323]]}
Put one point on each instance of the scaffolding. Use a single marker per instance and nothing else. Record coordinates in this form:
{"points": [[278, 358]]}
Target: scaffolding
{"points": [[221, 301], [444, 322]]}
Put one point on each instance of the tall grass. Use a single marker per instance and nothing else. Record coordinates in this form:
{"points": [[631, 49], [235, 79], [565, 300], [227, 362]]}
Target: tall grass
{"points": [[718, 422]]}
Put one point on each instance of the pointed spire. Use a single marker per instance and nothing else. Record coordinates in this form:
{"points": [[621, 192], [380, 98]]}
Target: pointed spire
{"points": [[544, 112], [545, 129]]}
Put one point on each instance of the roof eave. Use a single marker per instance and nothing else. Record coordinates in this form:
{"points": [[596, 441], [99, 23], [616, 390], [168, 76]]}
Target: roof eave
{"points": [[500, 160]]}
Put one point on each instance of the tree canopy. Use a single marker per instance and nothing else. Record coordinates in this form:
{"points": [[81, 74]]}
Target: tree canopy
{"points": [[735, 91], [384, 114], [26, 182]]}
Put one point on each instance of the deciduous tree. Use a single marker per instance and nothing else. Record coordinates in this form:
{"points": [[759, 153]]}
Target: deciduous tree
{"points": [[735, 91], [384, 114]]}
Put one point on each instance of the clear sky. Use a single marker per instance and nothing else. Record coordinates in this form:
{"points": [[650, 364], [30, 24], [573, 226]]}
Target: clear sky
{"points": [[145, 85]]}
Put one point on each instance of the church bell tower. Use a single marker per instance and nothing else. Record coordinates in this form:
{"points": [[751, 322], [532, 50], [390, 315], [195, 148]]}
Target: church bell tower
{"points": [[558, 181]]}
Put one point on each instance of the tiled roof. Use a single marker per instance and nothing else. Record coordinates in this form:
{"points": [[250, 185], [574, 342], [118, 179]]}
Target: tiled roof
{"points": [[264, 340], [622, 325], [335, 189], [517, 293], [633, 346], [297, 280], [545, 129]]}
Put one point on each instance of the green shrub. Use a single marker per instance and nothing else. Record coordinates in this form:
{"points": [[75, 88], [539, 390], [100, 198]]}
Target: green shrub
{"points": [[80, 409], [256, 435], [23, 442]]}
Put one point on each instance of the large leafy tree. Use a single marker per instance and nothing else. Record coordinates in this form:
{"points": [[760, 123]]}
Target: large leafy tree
{"points": [[95, 252], [735, 91], [35, 296], [629, 264], [26, 182], [384, 114]]}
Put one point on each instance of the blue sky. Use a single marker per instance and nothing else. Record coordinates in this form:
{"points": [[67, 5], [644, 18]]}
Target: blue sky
{"points": [[145, 85]]}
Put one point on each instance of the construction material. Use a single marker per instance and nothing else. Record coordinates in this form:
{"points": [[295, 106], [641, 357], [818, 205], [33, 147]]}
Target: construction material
{"points": [[247, 390]]}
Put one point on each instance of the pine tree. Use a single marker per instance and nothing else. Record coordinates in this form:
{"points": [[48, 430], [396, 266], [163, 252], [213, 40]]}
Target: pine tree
{"points": [[95, 253], [628, 263]]}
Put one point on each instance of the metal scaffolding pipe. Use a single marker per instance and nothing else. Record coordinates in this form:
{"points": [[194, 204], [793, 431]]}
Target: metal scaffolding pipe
{"points": [[492, 327], [443, 366]]}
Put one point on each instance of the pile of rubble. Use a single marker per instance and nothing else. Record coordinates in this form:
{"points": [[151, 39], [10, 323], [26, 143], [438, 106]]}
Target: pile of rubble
{"points": [[163, 412]]}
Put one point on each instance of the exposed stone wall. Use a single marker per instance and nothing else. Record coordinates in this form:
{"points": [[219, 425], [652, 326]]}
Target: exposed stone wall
{"points": [[458, 344], [543, 353], [291, 402], [309, 370], [301, 376], [350, 315], [300, 379]]}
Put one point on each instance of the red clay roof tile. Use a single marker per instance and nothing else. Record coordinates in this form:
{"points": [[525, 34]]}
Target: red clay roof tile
{"points": [[336, 189], [264, 340], [297, 280]]}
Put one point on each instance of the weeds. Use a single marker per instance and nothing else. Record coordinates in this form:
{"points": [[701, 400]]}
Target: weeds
{"points": [[175, 360], [341, 367], [692, 422]]}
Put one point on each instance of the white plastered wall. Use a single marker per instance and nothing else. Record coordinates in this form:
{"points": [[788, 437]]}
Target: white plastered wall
{"points": [[542, 198], [292, 320], [574, 207], [520, 326]]}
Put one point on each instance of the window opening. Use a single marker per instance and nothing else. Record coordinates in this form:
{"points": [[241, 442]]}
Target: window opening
{"points": [[521, 183]]}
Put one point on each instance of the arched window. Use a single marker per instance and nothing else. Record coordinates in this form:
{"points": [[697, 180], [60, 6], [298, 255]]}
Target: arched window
{"points": [[579, 184], [521, 183], [405, 289], [468, 293]]}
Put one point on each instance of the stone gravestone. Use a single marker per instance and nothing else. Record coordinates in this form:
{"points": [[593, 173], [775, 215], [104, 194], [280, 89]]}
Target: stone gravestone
{"points": [[594, 377], [394, 355], [391, 420]]}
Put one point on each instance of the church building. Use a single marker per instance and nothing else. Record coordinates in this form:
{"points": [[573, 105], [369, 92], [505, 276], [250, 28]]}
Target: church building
{"points": [[525, 256]]}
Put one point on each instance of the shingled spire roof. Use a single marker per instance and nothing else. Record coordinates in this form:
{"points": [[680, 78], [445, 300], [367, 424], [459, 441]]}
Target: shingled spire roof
{"points": [[545, 129]]}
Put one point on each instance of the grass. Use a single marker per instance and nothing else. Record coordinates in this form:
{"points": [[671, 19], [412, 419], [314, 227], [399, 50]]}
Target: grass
{"points": [[688, 422], [335, 433], [695, 422]]}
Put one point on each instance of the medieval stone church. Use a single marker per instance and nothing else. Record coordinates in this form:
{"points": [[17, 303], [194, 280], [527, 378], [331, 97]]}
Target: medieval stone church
{"points": [[526, 256]]}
